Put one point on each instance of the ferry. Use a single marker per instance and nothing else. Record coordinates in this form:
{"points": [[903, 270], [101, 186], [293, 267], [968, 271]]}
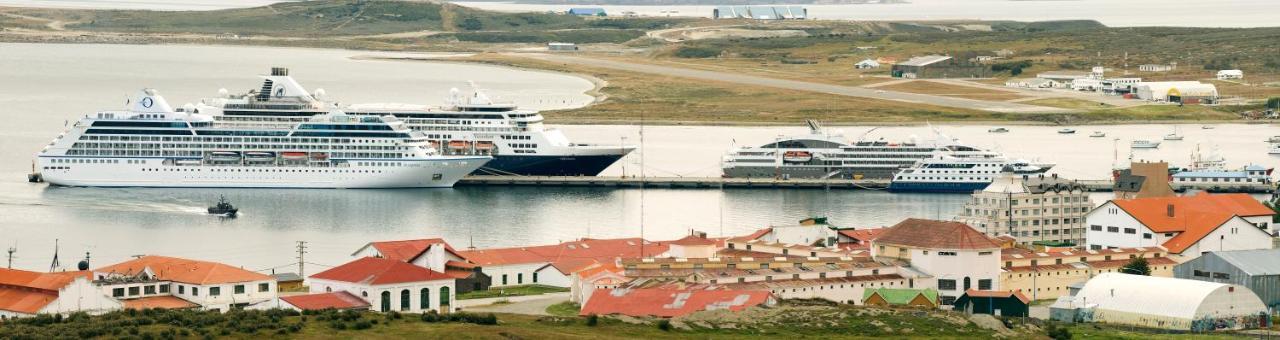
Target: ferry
{"points": [[959, 174], [1211, 174], [820, 154], [471, 124], [154, 145]]}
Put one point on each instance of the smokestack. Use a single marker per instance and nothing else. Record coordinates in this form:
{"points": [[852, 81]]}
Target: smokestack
{"points": [[1170, 210]]}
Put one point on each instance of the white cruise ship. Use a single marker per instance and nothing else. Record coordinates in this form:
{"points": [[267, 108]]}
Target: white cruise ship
{"points": [[959, 173], [467, 125], [153, 145], [820, 154]]}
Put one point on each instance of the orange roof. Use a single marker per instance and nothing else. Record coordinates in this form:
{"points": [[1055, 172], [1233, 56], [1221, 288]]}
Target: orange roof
{"points": [[998, 294], [377, 271], [694, 240], [27, 292], [933, 234], [862, 234], [669, 302], [26, 301], [1193, 217], [163, 301], [567, 257], [407, 250], [184, 270], [599, 268], [334, 300]]}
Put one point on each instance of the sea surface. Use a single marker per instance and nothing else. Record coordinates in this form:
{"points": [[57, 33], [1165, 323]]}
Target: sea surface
{"points": [[43, 86]]}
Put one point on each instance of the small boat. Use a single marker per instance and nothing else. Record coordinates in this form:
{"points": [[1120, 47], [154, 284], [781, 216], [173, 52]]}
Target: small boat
{"points": [[484, 145], [1144, 144], [997, 130], [1098, 134], [797, 156], [223, 208], [225, 156], [259, 154], [319, 156], [1173, 135], [1273, 139], [459, 145], [1207, 127], [1067, 131]]}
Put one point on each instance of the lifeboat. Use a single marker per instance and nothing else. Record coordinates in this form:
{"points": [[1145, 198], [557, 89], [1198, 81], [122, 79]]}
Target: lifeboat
{"points": [[225, 156], [457, 144], [320, 156], [484, 145], [294, 155], [797, 156], [259, 154]]}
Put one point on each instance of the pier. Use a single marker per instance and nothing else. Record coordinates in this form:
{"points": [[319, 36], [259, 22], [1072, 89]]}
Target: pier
{"points": [[700, 182]]}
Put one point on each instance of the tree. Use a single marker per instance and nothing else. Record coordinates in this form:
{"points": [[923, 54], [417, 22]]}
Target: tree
{"points": [[472, 24], [1137, 266]]}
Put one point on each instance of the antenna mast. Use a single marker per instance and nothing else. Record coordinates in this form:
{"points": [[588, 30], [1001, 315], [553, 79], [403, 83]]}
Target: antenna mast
{"points": [[12, 250], [54, 266]]}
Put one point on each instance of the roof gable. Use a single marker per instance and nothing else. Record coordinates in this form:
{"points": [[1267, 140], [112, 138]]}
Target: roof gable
{"points": [[567, 257], [333, 300], [378, 271], [1180, 213], [28, 292], [407, 250], [933, 234]]}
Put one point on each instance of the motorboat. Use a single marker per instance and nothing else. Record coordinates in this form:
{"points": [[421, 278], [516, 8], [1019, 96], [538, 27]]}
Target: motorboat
{"points": [[223, 208], [997, 130], [1096, 134], [1144, 144], [1067, 131]]}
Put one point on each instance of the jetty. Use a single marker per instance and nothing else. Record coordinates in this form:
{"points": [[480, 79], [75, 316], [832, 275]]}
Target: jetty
{"points": [[700, 182]]}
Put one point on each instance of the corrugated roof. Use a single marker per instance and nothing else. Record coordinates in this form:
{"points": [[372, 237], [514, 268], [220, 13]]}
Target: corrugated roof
{"points": [[901, 296], [925, 60], [1254, 262], [163, 302], [998, 294]]}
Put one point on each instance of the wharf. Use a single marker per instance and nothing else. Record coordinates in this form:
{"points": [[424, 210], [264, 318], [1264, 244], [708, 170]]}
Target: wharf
{"points": [[699, 182]]}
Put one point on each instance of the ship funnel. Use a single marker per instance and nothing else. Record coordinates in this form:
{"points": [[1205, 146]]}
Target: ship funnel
{"points": [[150, 101]]}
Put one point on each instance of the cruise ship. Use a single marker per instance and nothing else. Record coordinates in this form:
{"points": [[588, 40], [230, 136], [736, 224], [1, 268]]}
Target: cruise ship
{"points": [[959, 173], [153, 145], [820, 154], [469, 124]]}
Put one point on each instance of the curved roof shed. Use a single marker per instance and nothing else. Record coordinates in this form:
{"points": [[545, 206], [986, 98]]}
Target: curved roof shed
{"points": [[1163, 302]]}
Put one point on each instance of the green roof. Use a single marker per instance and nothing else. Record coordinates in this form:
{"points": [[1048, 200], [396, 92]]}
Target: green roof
{"points": [[900, 296]]}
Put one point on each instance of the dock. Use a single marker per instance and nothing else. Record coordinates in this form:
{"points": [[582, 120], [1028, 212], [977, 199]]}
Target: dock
{"points": [[699, 182]]}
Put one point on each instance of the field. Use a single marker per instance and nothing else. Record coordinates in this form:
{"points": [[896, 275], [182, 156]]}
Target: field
{"points": [[933, 87]]}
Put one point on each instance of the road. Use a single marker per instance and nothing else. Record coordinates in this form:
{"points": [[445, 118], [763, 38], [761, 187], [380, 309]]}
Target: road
{"points": [[530, 305], [842, 90], [1034, 94]]}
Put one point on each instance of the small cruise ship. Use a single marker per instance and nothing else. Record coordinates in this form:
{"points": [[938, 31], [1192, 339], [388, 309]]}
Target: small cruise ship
{"points": [[1210, 173], [959, 174], [472, 124], [820, 154], [153, 145]]}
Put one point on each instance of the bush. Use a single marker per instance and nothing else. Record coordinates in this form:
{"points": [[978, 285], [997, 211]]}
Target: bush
{"points": [[664, 325], [697, 52], [1057, 333], [592, 320], [362, 324]]}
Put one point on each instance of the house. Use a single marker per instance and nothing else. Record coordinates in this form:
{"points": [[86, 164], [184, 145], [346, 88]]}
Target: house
{"points": [[289, 282], [1156, 67], [598, 276], [925, 298], [340, 300], [1161, 303], [1143, 180], [170, 282], [1047, 275], [559, 46], [551, 265], [957, 256], [1029, 208], [587, 11], [857, 239], [1186, 225], [866, 64], [1230, 74], [1176, 91], [994, 302], [434, 254], [388, 285], [1257, 269], [939, 66], [26, 293], [667, 303], [694, 245]]}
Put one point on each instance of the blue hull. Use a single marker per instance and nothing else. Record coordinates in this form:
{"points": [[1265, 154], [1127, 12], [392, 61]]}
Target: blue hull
{"points": [[548, 165], [936, 187]]}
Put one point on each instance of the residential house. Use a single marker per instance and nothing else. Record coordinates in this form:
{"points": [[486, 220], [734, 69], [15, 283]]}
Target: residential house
{"points": [[955, 255], [600, 276], [434, 254], [26, 293], [1143, 180], [1186, 225], [388, 285], [1043, 275], [667, 303], [925, 298], [552, 265], [169, 282], [340, 300]]}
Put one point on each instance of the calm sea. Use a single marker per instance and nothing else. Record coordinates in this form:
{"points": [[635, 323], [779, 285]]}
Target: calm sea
{"points": [[43, 86]]}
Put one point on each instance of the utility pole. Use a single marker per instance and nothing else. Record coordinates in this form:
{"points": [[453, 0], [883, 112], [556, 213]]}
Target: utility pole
{"points": [[54, 266], [12, 250], [302, 250]]}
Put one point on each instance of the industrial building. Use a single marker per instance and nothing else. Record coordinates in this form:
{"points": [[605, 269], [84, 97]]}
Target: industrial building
{"points": [[760, 12], [1162, 303], [1187, 92], [1230, 74], [939, 66], [1157, 67], [1257, 269]]}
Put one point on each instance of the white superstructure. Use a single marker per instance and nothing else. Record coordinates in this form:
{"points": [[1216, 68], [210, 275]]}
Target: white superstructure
{"points": [[960, 173], [153, 145]]}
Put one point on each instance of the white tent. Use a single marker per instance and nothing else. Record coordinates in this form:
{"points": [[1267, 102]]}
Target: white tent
{"points": [[1162, 302]]}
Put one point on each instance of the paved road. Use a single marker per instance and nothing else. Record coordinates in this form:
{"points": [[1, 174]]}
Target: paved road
{"points": [[841, 90], [531, 305], [1034, 94]]}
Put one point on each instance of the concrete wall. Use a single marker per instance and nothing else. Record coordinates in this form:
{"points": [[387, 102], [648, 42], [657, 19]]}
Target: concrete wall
{"points": [[521, 274], [81, 295], [373, 293]]}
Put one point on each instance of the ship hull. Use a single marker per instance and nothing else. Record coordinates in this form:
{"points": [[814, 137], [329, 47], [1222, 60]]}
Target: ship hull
{"points": [[543, 165], [937, 187], [807, 172], [152, 172]]}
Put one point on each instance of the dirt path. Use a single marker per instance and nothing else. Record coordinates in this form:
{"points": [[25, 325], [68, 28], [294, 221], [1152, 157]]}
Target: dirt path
{"points": [[536, 306]]}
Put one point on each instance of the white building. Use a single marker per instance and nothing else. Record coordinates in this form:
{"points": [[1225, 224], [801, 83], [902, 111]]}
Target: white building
{"points": [[593, 278], [1029, 208], [1033, 83], [388, 285], [866, 64], [1230, 74], [25, 293], [1175, 91], [433, 253], [1165, 303], [957, 256], [552, 265], [1156, 67], [1186, 225], [170, 282]]}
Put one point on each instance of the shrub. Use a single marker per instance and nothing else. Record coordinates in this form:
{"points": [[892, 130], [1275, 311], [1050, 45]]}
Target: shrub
{"points": [[697, 52], [362, 324], [664, 325], [592, 320]]}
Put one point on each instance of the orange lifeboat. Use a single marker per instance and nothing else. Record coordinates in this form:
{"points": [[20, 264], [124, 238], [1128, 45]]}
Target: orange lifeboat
{"points": [[797, 156]]}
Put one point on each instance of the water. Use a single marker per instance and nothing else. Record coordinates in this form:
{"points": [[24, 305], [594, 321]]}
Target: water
{"points": [[1223, 13], [41, 86]]}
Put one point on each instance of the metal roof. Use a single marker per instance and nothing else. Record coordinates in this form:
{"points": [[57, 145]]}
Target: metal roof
{"points": [[1254, 262], [925, 60]]}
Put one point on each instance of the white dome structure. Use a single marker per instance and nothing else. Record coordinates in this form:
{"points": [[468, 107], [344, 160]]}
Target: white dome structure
{"points": [[1167, 303]]}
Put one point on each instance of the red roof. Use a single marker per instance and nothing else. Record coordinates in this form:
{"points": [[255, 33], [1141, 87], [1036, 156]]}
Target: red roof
{"points": [[1193, 217], [27, 292], [670, 302], [407, 250], [163, 301], [379, 271], [933, 234], [862, 235], [998, 294], [334, 300], [567, 257], [184, 270], [694, 240]]}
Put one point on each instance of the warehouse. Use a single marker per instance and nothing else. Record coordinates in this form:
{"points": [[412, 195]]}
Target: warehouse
{"points": [[1164, 303], [939, 66], [1257, 269], [1187, 92], [760, 12]]}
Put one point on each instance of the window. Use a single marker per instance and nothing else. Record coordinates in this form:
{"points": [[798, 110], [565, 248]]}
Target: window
{"points": [[946, 253], [1113, 229], [519, 278], [1146, 236], [948, 300], [182, 289], [117, 292], [263, 287], [1221, 276], [984, 253], [1130, 231], [215, 291], [984, 284], [535, 277], [946, 284], [504, 279], [404, 299], [164, 289], [148, 290], [133, 291], [239, 289], [195, 291]]}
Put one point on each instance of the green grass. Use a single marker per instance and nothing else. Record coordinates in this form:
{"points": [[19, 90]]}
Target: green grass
{"points": [[567, 309], [511, 291]]}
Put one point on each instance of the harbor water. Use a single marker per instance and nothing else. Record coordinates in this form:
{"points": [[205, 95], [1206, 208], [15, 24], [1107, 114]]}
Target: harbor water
{"points": [[42, 87]]}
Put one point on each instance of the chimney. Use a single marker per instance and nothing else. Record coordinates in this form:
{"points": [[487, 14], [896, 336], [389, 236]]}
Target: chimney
{"points": [[700, 234], [1170, 210]]}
